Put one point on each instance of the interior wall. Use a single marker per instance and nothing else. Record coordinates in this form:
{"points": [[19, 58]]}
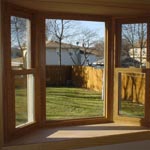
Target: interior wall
{"points": [[1, 112], [99, 7]]}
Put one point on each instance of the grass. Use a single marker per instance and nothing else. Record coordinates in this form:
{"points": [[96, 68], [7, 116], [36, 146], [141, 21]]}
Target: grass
{"points": [[72, 103], [131, 109], [21, 106]]}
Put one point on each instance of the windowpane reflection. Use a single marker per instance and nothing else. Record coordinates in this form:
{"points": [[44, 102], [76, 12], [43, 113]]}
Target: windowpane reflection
{"points": [[131, 94]]}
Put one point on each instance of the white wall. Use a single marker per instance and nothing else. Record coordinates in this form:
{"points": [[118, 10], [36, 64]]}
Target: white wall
{"points": [[52, 57], [91, 58]]}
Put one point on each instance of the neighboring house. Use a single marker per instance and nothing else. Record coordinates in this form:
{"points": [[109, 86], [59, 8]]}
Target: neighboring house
{"points": [[94, 57], [130, 62], [71, 54], [139, 54], [127, 59], [15, 52], [124, 55], [17, 60]]}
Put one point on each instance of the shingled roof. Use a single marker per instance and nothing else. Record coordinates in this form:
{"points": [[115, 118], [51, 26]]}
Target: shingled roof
{"points": [[55, 44]]}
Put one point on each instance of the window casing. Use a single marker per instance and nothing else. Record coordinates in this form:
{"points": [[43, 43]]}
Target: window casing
{"points": [[135, 73]]}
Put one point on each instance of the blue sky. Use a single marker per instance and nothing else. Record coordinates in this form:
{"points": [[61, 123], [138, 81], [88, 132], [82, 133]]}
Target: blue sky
{"points": [[77, 26], [98, 26]]}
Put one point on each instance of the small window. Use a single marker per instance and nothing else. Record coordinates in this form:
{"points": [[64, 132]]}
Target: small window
{"points": [[133, 41], [74, 69], [20, 43], [131, 87], [20, 64], [24, 99]]}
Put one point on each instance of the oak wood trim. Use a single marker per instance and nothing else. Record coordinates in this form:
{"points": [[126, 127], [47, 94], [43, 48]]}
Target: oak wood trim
{"points": [[147, 98], [23, 72], [73, 122], [112, 36], [128, 4], [85, 142], [108, 53], [125, 119], [8, 76], [145, 121], [56, 15], [7, 92], [109, 65], [129, 70], [1, 73], [75, 16], [148, 46]]}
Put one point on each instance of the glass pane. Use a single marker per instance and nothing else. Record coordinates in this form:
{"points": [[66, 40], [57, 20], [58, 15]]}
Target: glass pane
{"points": [[20, 43], [74, 69], [134, 45], [24, 99], [132, 94]]}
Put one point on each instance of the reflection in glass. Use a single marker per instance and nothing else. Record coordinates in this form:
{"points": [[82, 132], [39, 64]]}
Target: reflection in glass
{"points": [[20, 43], [131, 94], [134, 45], [24, 99]]}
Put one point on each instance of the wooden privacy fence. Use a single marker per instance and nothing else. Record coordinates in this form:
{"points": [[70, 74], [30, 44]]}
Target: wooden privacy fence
{"points": [[58, 75], [132, 84], [87, 77], [133, 87], [78, 76]]}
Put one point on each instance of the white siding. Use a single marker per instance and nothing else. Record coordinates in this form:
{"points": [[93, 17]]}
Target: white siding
{"points": [[52, 57], [91, 58]]}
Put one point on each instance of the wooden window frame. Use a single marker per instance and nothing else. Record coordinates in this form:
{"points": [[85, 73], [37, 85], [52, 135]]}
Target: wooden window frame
{"points": [[10, 130], [108, 70], [112, 32], [38, 63], [124, 119]]}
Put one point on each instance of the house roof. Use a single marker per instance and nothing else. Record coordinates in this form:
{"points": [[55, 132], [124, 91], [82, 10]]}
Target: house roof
{"points": [[92, 51], [54, 45], [17, 61]]}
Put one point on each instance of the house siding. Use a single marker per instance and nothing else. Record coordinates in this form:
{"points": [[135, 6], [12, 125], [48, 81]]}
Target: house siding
{"points": [[52, 57]]}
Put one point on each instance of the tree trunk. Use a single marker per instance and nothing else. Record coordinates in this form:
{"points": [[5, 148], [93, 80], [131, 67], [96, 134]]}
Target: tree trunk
{"points": [[60, 52]]}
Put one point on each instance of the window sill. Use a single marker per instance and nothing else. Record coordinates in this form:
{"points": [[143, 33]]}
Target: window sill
{"points": [[82, 136]]}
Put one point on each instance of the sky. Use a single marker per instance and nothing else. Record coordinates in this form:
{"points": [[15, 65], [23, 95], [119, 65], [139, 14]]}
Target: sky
{"points": [[99, 26], [78, 26]]}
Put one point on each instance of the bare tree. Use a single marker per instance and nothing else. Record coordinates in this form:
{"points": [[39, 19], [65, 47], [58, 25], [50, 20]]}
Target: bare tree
{"points": [[19, 35], [88, 39], [66, 30], [142, 35], [76, 52], [86, 44], [135, 36], [99, 46], [58, 30]]}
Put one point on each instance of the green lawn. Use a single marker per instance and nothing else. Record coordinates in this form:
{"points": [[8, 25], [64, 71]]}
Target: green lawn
{"points": [[131, 109], [72, 103], [21, 106]]}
